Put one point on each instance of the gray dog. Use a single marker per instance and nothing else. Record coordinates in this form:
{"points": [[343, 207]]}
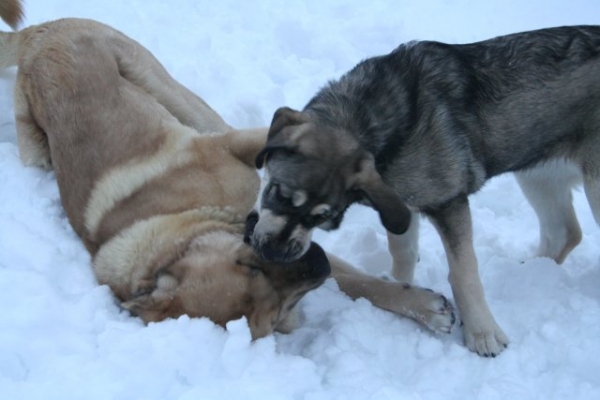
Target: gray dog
{"points": [[419, 130]]}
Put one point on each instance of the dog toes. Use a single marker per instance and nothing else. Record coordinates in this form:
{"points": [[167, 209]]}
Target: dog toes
{"points": [[488, 343], [441, 316], [423, 305], [433, 310]]}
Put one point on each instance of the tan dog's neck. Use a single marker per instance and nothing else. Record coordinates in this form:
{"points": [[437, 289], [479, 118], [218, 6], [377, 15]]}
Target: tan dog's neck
{"points": [[128, 260]]}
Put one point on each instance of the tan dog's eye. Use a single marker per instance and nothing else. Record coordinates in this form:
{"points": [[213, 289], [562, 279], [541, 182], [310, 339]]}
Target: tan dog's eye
{"points": [[250, 269]]}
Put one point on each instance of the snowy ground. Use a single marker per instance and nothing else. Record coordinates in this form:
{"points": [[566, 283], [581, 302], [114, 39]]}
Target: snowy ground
{"points": [[63, 337]]}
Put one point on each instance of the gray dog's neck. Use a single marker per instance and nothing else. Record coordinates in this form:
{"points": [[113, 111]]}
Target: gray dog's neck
{"points": [[368, 103]]}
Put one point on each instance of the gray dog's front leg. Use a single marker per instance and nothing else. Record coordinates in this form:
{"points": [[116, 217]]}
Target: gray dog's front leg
{"points": [[404, 249], [481, 332]]}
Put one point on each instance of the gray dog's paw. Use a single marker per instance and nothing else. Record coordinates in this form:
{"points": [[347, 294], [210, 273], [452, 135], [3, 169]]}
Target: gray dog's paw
{"points": [[487, 341]]}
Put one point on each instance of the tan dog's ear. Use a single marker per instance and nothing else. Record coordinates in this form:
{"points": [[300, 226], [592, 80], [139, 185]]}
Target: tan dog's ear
{"points": [[153, 297], [394, 214], [283, 117]]}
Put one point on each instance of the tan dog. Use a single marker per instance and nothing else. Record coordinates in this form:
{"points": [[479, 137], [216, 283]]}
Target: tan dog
{"points": [[158, 186]]}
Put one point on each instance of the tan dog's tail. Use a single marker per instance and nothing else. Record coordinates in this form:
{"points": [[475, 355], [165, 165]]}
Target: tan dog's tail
{"points": [[11, 12]]}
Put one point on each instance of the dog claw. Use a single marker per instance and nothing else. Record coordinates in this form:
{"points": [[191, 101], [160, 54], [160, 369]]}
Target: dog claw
{"points": [[488, 343], [441, 318]]}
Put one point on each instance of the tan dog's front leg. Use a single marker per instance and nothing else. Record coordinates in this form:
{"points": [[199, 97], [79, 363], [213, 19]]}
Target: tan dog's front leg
{"points": [[423, 305], [245, 144], [482, 333]]}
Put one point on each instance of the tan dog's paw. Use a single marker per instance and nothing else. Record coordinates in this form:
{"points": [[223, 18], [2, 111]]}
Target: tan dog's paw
{"points": [[425, 306], [436, 312]]}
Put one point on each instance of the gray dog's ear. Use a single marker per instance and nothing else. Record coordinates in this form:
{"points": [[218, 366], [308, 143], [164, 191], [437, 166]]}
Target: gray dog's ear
{"points": [[283, 117], [277, 140], [394, 214]]}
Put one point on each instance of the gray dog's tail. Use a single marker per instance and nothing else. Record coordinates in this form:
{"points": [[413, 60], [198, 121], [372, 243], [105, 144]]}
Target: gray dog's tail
{"points": [[11, 12]]}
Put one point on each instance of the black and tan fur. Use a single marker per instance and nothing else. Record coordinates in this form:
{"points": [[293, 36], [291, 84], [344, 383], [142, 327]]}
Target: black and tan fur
{"points": [[420, 129]]}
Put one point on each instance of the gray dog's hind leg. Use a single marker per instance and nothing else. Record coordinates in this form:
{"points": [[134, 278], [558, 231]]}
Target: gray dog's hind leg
{"points": [[591, 186], [548, 190], [405, 250]]}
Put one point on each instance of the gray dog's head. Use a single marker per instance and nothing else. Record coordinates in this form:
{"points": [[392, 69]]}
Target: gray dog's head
{"points": [[313, 173]]}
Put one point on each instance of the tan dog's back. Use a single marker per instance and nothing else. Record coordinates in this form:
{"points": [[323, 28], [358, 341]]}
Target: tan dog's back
{"points": [[85, 95]]}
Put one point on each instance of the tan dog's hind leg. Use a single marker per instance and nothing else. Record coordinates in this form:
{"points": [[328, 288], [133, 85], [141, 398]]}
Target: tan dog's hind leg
{"points": [[481, 332], [548, 190], [33, 142], [141, 68], [423, 305]]}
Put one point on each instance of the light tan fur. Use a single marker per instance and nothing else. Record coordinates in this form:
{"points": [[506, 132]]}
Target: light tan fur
{"points": [[157, 185]]}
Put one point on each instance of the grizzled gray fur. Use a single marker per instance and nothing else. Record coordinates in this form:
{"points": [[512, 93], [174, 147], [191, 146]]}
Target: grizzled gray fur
{"points": [[419, 129]]}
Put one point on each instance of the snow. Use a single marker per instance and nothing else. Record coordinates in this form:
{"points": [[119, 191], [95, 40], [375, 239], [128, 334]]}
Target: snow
{"points": [[63, 337]]}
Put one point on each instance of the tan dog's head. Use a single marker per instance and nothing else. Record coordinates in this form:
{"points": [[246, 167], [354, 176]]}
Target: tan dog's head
{"points": [[313, 173], [221, 278]]}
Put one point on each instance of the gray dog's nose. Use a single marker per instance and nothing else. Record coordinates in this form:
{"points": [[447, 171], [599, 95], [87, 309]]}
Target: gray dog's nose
{"points": [[267, 246]]}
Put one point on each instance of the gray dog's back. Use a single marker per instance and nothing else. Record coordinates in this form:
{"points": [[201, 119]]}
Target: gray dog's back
{"points": [[473, 104]]}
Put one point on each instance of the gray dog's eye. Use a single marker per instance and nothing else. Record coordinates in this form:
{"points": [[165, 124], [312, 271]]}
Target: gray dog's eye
{"points": [[277, 190], [272, 189], [299, 198], [322, 210], [285, 191]]}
